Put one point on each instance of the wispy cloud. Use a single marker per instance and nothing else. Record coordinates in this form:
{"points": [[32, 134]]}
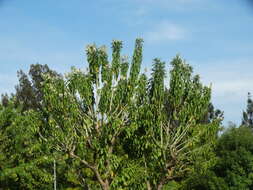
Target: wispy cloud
{"points": [[235, 88], [164, 32], [231, 96], [233, 79], [230, 84]]}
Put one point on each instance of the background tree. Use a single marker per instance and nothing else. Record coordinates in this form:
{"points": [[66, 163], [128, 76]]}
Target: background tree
{"points": [[235, 152], [5, 100], [29, 93], [247, 119], [109, 127], [24, 160]]}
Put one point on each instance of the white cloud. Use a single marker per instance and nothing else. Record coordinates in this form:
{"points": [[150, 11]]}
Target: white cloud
{"points": [[165, 31], [231, 81], [235, 88], [231, 96], [226, 76]]}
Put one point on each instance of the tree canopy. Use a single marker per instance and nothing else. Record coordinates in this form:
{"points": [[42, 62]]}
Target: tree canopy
{"points": [[112, 126]]}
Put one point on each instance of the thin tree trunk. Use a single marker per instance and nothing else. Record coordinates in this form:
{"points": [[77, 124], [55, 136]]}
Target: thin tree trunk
{"points": [[106, 186], [162, 182], [160, 186], [148, 185], [54, 175]]}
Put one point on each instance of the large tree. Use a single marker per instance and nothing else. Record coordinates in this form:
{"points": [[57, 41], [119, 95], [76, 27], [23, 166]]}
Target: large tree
{"points": [[126, 129], [171, 136], [89, 111], [109, 127]]}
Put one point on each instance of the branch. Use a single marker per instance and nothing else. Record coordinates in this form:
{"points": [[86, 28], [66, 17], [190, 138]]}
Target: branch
{"points": [[88, 165], [41, 136]]}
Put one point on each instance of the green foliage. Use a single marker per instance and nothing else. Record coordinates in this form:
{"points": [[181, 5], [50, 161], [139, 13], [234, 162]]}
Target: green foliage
{"points": [[206, 181], [234, 163], [171, 138], [235, 152], [89, 111], [23, 156], [110, 127], [29, 93]]}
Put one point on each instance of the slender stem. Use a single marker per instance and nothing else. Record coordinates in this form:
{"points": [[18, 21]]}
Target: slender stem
{"points": [[54, 175]]}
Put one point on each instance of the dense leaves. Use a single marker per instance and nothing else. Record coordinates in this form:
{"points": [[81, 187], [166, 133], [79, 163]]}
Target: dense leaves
{"points": [[114, 127]]}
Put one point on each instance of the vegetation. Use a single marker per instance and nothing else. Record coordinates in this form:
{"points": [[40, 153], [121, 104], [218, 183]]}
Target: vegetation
{"points": [[113, 127]]}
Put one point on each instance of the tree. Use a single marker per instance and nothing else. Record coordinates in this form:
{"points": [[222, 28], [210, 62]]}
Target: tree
{"points": [[109, 127], [171, 138], [24, 160], [235, 163], [98, 116], [29, 93], [88, 112], [205, 181], [5, 100], [247, 119]]}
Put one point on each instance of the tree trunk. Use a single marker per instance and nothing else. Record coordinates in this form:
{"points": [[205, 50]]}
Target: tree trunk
{"points": [[162, 182], [160, 186], [148, 186], [105, 186]]}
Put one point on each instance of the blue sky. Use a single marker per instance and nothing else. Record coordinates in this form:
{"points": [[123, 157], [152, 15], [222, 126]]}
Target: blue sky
{"points": [[214, 36]]}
